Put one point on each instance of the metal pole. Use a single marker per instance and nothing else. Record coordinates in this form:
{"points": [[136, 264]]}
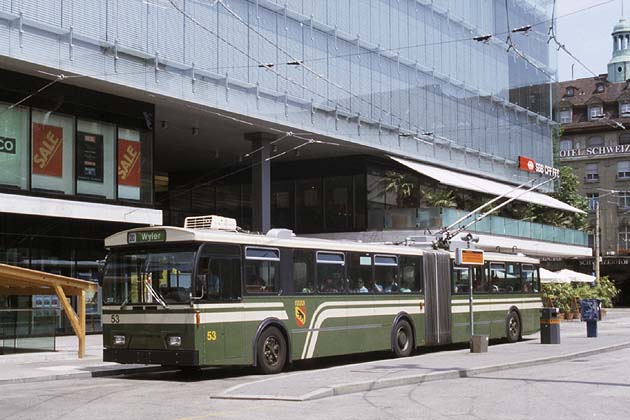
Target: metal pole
{"points": [[470, 302], [597, 240]]}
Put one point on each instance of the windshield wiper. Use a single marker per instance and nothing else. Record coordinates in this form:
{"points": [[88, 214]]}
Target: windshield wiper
{"points": [[155, 294], [125, 302]]}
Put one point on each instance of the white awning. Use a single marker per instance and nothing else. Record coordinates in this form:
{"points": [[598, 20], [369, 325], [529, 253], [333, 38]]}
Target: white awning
{"points": [[486, 186], [53, 207]]}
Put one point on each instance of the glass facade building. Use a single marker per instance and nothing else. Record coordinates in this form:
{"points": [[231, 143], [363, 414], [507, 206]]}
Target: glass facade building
{"points": [[359, 70]]}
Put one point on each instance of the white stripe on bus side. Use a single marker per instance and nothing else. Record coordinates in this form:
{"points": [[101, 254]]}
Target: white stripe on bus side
{"points": [[205, 317], [355, 313], [351, 303], [255, 305], [322, 314]]}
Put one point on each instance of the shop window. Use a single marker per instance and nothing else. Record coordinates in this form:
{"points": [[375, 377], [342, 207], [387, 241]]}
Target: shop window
{"points": [[95, 160], [623, 169], [592, 173], [308, 202], [135, 165], [13, 146], [52, 150], [338, 203], [282, 205]]}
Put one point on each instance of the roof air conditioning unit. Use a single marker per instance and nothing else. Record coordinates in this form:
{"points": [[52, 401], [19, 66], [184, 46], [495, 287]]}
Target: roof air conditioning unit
{"points": [[281, 233], [211, 222]]}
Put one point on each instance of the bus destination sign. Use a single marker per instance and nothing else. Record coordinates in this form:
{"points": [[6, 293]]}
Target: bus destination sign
{"points": [[469, 257], [146, 236]]}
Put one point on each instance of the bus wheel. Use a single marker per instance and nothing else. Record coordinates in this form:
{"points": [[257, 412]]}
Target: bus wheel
{"points": [[271, 351], [403, 339], [513, 327]]}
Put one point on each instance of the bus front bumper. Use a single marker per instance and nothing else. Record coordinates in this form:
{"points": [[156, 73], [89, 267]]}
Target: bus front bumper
{"points": [[152, 357]]}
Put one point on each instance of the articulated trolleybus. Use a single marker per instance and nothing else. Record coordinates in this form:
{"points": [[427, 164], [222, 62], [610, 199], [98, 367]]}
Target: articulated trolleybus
{"points": [[209, 294]]}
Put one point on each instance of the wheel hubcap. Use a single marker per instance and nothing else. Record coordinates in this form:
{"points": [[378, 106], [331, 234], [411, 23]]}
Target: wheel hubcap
{"points": [[513, 327], [271, 350], [403, 340]]}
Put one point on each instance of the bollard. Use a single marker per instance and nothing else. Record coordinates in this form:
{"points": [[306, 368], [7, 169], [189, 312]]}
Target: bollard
{"points": [[479, 344], [591, 329]]}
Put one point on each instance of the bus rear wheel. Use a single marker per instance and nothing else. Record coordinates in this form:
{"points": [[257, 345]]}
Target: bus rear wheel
{"points": [[271, 351], [513, 327], [403, 339]]}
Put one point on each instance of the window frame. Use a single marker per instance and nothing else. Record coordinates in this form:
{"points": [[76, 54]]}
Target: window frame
{"points": [[566, 116], [591, 176], [626, 106], [247, 248], [591, 113], [625, 173]]}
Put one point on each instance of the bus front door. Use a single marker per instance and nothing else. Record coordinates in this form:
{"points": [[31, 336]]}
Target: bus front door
{"points": [[437, 297]]}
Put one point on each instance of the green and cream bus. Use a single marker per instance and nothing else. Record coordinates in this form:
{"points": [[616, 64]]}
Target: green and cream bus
{"points": [[209, 294]]}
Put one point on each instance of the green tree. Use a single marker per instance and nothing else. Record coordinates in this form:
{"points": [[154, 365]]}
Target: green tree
{"points": [[399, 184], [440, 198], [567, 192]]}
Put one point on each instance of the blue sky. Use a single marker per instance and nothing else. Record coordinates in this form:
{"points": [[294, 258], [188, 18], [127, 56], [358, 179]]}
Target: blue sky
{"points": [[586, 35]]}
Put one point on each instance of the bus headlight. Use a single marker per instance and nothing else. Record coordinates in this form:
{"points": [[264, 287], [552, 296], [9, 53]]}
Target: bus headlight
{"points": [[119, 340], [174, 341]]}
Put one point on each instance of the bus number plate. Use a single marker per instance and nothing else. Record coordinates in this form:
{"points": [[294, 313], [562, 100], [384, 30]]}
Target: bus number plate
{"points": [[211, 335]]}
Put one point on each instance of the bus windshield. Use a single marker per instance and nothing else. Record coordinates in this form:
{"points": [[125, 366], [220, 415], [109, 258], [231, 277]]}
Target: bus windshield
{"points": [[148, 277]]}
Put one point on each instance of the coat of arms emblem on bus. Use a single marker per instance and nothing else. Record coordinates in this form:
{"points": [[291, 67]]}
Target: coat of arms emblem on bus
{"points": [[300, 313]]}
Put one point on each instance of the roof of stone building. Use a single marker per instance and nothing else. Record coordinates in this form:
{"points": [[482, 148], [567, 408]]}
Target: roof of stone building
{"points": [[585, 91]]}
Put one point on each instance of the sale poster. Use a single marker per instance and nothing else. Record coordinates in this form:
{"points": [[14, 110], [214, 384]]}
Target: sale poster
{"points": [[47, 150]]}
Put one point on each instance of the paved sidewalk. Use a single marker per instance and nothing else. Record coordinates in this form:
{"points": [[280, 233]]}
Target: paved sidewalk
{"points": [[61, 364], [613, 334]]}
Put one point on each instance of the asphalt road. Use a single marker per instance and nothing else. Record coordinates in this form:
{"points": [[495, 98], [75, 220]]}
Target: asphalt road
{"points": [[592, 387]]}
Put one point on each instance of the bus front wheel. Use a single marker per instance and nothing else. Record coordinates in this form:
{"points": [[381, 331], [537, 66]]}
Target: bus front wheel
{"points": [[403, 339], [513, 327], [271, 351]]}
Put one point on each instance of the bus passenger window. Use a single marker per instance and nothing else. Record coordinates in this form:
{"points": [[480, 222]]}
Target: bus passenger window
{"points": [[513, 278], [410, 274], [262, 270], [497, 278], [461, 280], [303, 271], [386, 274], [330, 272], [359, 272], [530, 278], [480, 282]]}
